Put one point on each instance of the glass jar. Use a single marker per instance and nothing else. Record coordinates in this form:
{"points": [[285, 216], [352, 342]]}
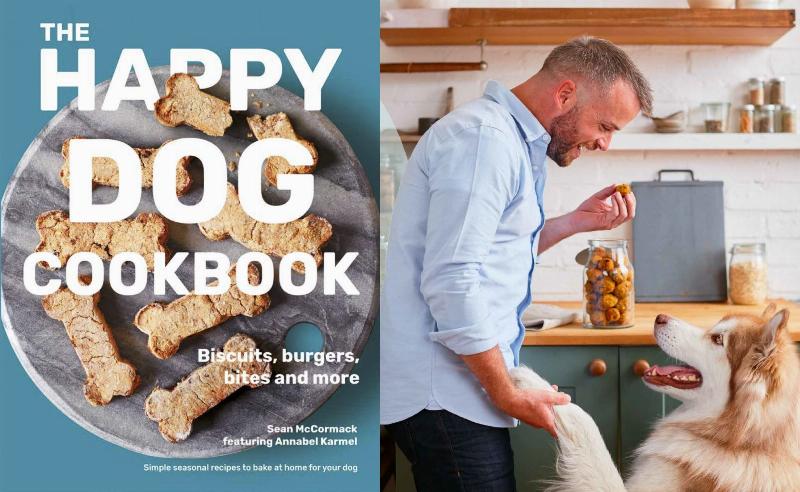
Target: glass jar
{"points": [[755, 88], [789, 119], [777, 91], [716, 117], [765, 119], [747, 275], [746, 115], [608, 285]]}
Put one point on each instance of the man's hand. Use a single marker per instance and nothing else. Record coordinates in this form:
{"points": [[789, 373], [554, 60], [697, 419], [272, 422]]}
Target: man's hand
{"points": [[534, 407], [604, 210]]}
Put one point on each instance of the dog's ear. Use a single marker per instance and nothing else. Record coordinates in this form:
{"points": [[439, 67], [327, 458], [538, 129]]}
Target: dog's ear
{"points": [[769, 311], [774, 327]]}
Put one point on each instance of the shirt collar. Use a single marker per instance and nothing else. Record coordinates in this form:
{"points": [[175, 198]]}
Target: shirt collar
{"points": [[527, 122]]}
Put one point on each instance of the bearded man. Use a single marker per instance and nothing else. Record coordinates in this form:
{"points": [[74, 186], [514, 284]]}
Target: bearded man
{"points": [[467, 226]]}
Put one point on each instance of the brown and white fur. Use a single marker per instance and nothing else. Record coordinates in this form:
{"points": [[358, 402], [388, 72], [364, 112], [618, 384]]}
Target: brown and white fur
{"points": [[737, 429]]}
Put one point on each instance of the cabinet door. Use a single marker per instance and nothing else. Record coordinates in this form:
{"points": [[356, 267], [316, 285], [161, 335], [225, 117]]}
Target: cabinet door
{"points": [[567, 367], [640, 406]]}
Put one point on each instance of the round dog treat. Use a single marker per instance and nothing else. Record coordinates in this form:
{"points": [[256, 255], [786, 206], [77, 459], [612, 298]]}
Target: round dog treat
{"points": [[617, 276], [607, 264], [599, 254], [608, 301], [624, 189], [613, 315], [593, 274], [598, 318], [606, 286], [622, 304], [622, 289]]}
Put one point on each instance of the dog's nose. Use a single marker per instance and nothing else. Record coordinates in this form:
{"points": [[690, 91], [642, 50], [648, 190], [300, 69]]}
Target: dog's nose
{"points": [[662, 319]]}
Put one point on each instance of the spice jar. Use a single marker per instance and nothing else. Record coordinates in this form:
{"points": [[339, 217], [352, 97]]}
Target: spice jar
{"points": [[608, 285], [756, 91], [716, 116], [746, 115], [777, 91], [747, 276], [789, 119], [765, 119]]}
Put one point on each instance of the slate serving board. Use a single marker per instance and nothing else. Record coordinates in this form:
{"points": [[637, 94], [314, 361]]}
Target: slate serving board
{"points": [[342, 195], [679, 240]]}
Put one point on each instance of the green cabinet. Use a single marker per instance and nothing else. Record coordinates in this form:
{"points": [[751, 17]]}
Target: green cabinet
{"points": [[621, 405]]}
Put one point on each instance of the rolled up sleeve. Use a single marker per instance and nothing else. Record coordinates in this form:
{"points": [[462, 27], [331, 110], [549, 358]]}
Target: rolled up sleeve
{"points": [[471, 179]]}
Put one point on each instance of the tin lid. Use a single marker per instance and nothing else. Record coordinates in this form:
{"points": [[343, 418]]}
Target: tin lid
{"points": [[757, 79], [770, 107], [778, 79], [749, 107]]}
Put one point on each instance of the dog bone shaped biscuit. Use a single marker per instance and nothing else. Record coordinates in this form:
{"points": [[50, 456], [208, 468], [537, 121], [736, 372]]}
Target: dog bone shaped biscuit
{"points": [[146, 235], [107, 374], [308, 234], [202, 390], [184, 102], [278, 125], [169, 324], [105, 171]]}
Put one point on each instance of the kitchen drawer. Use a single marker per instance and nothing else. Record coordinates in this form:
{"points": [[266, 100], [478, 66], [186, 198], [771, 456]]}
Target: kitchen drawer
{"points": [[567, 367], [640, 406]]}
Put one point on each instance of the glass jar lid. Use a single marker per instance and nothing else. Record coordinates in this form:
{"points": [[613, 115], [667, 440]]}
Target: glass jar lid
{"points": [[749, 107], [608, 243], [749, 248]]}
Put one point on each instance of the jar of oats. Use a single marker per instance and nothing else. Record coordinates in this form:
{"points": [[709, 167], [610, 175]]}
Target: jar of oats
{"points": [[608, 285], [747, 275]]}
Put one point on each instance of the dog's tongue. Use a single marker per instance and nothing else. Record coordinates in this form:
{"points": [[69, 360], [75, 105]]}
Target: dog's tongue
{"points": [[667, 370]]}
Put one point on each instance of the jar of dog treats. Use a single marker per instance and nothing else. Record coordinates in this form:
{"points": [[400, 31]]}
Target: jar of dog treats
{"points": [[747, 275], [608, 285]]}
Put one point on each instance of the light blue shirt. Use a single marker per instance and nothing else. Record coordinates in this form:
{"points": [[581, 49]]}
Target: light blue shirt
{"points": [[462, 248]]}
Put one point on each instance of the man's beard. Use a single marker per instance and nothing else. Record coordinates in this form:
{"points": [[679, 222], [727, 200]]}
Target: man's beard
{"points": [[563, 137]]}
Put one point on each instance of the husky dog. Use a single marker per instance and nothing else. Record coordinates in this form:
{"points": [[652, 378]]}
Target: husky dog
{"points": [[738, 428]]}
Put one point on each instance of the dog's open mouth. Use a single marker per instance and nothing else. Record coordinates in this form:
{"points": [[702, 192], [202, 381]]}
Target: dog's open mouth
{"points": [[681, 377]]}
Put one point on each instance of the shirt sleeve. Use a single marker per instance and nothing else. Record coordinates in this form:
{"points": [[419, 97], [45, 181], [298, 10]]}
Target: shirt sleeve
{"points": [[471, 178]]}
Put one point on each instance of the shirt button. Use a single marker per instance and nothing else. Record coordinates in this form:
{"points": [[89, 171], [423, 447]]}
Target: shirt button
{"points": [[546, 138]]}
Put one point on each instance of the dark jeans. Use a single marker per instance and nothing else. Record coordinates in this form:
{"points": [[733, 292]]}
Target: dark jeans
{"points": [[450, 453]]}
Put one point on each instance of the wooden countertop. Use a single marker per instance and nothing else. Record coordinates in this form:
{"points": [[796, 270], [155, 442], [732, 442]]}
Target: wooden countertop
{"points": [[700, 314]]}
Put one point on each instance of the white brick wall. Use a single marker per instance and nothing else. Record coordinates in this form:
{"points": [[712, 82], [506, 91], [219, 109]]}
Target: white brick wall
{"points": [[762, 189]]}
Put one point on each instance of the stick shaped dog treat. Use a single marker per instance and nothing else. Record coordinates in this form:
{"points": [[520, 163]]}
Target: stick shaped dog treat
{"points": [[203, 389], [278, 125], [184, 102], [146, 235], [107, 374], [169, 324], [308, 234], [105, 171]]}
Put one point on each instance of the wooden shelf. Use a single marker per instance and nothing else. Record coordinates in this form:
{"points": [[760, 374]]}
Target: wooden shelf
{"points": [[676, 141], [523, 26], [705, 141]]}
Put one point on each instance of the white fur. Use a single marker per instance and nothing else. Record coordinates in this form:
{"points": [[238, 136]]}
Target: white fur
{"points": [[583, 464]]}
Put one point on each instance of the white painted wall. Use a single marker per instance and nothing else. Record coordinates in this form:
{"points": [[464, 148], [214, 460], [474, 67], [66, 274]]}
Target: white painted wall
{"points": [[762, 189]]}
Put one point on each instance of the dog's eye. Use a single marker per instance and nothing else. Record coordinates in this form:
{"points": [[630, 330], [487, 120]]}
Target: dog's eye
{"points": [[717, 339]]}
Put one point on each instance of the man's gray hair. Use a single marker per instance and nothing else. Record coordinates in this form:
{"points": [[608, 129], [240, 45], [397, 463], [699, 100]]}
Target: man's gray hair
{"points": [[600, 63]]}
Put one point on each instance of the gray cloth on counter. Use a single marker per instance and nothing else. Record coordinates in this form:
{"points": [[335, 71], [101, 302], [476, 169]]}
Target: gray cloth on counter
{"points": [[538, 317]]}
